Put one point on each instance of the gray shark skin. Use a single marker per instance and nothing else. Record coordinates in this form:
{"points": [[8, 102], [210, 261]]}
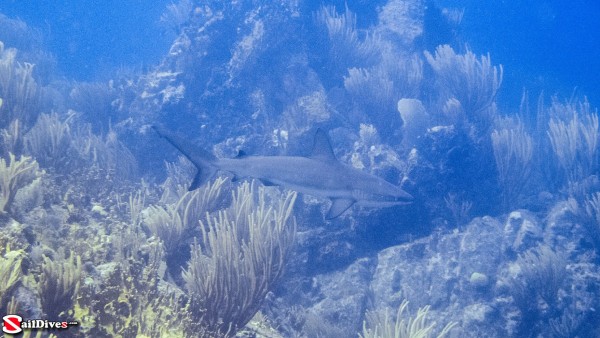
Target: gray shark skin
{"points": [[320, 174]]}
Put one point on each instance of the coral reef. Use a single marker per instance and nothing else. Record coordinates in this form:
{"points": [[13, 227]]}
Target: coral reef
{"points": [[18, 89], [49, 141], [10, 274], [58, 286], [501, 240], [243, 254], [513, 151], [574, 132], [384, 326], [14, 175], [473, 82]]}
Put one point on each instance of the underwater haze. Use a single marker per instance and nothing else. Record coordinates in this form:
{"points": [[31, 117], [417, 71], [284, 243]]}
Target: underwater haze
{"points": [[389, 168]]}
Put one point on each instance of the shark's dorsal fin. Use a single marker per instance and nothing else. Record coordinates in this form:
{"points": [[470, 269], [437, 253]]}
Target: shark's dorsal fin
{"points": [[322, 147], [338, 206], [241, 154]]}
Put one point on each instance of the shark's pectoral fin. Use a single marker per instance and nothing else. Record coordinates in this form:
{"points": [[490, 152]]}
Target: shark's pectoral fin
{"points": [[338, 206]]}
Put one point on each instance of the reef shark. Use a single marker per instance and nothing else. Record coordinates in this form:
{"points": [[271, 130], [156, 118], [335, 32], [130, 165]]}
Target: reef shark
{"points": [[319, 174]]}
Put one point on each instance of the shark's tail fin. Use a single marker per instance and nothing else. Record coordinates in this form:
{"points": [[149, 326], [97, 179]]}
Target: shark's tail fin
{"points": [[203, 160]]}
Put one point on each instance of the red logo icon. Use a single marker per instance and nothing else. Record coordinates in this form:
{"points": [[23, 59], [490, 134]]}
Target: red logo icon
{"points": [[11, 324]]}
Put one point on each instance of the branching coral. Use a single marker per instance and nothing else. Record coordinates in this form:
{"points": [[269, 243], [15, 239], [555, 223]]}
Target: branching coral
{"points": [[165, 223], [177, 14], [347, 47], [10, 274], [376, 90], [179, 176], [538, 288], [592, 207], [193, 204], [136, 204], [15, 32], [170, 222], [56, 144], [513, 151], [473, 82], [11, 137], [382, 326], [574, 133], [592, 216], [542, 274], [49, 141], [125, 294], [58, 286], [18, 89], [14, 175], [105, 153], [241, 255], [95, 100]]}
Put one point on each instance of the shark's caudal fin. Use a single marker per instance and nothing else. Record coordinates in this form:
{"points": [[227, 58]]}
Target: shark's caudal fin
{"points": [[202, 159]]}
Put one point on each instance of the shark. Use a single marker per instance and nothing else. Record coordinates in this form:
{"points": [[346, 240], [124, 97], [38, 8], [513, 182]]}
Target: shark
{"points": [[319, 174]]}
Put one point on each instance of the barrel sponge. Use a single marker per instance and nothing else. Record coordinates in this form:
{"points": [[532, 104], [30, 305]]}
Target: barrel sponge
{"points": [[415, 120]]}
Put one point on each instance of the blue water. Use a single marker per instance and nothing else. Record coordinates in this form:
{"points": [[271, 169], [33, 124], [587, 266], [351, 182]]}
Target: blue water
{"points": [[502, 235], [89, 39], [544, 45]]}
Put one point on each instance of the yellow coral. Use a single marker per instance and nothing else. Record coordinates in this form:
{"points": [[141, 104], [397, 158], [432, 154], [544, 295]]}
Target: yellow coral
{"points": [[10, 273], [15, 174], [59, 284]]}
